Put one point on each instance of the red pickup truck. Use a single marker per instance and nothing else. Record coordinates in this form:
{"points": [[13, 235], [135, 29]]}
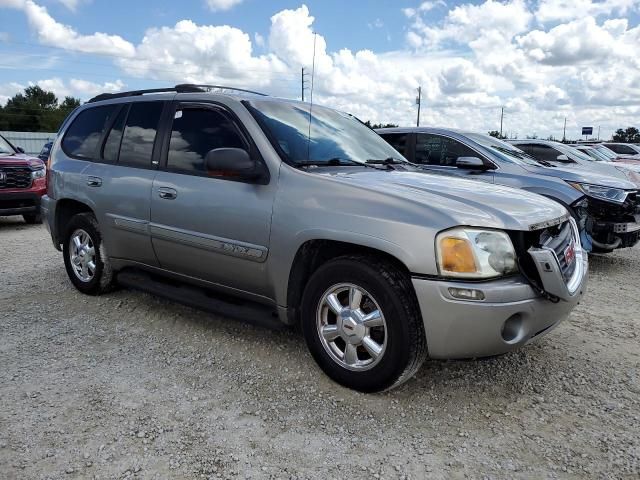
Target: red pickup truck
{"points": [[23, 180]]}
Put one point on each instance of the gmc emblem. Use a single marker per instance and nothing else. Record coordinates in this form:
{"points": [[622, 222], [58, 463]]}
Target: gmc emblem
{"points": [[570, 254]]}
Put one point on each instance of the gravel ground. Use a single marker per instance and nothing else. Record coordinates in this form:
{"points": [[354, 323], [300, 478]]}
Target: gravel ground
{"points": [[131, 386]]}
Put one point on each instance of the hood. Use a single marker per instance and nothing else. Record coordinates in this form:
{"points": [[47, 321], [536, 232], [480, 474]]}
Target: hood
{"points": [[581, 175], [19, 159], [464, 202]]}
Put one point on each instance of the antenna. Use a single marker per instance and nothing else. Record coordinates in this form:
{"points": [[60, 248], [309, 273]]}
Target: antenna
{"points": [[313, 75]]}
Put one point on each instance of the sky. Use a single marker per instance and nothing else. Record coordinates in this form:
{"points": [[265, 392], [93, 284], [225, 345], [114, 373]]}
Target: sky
{"points": [[540, 60]]}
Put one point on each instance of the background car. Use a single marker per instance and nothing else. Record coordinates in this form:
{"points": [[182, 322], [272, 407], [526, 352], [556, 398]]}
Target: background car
{"points": [[605, 207], [22, 183], [567, 156], [628, 150]]}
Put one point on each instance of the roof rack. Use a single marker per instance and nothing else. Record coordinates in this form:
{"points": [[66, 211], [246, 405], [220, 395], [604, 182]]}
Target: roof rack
{"points": [[182, 88]]}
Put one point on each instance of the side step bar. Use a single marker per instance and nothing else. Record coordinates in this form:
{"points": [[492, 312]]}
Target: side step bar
{"points": [[203, 299]]}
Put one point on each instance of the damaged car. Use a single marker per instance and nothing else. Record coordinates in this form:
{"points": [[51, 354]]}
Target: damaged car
{"points": [[605, 208]]}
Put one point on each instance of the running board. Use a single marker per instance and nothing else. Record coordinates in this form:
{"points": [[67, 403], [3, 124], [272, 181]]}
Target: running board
{"points": [[203, 299]]}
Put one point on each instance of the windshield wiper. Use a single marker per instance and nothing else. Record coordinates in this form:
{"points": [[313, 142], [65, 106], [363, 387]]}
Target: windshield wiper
{"points": [[335, 162], [387, 162]]}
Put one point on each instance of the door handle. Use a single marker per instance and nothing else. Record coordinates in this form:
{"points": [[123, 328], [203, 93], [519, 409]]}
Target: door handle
{"points": [[94, 181], [167, 193]]}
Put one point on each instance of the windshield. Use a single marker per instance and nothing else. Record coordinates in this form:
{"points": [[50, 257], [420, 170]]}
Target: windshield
{"points": [[505, 151], [336, 138], [596, 155], [5, 147], [606, 152], [577, 153]]}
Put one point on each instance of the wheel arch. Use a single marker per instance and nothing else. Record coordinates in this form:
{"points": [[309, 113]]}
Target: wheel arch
{"points": [[312, 254], [66, 208]]}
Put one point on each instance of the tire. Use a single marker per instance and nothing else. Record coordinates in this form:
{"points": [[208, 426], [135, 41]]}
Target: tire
{"points": [[100, 278], [400, 342], [32, 218]]}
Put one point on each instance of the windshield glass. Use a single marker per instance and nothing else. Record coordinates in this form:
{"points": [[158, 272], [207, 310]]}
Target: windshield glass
{"points": [[606, 152], [5, 147], [577, 153], [505, 151], [336, 138], [596, 155]]}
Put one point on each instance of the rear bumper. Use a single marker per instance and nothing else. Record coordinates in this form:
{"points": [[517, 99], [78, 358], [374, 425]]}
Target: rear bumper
{"points": [[511, 315], [20, 203]]}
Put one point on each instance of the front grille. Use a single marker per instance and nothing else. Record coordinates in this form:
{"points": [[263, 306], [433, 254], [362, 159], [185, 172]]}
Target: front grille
{"points": [[560, 240], [15, 177]]}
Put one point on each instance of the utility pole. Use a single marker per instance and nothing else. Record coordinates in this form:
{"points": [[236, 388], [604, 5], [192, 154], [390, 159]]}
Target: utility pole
{"points": [[501, 118], [303, 82], [418, 100], [564, 131], [598, 132]]}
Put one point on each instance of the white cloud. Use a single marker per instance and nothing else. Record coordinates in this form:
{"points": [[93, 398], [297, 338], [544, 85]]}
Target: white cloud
{"points": [[217, 5], [71, 4], [52, 33], [475, 59], [564, 10]]}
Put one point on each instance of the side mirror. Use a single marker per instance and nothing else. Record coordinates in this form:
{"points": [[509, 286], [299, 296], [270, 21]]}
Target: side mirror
{"points": [[564, 159], [20, 149], [471, 163], [234, 163]]}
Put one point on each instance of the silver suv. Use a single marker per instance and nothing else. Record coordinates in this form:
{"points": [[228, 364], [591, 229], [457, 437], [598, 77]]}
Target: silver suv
{"points": [[309, 214]]}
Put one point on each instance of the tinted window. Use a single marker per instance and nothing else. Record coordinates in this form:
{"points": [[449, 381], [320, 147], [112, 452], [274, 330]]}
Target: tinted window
{"points": [[623, 149], [195, 131], [83, 135], [112, 143], [437, 150], [397, 141], [140, 133], [544, 152]]}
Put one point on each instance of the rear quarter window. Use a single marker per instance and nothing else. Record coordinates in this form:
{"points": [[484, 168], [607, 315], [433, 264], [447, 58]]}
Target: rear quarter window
{"points": [[82, 138]]}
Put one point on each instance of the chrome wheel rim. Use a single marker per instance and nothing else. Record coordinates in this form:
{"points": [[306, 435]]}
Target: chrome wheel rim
{"points": [[82, 255], [351, 327]]}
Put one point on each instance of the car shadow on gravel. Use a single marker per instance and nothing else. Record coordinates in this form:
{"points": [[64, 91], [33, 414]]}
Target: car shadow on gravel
{"points": [[611, 263], [16, 223]]}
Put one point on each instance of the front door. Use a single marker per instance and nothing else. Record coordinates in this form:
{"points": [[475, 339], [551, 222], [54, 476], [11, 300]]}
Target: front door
{"points": [[212, 228]]}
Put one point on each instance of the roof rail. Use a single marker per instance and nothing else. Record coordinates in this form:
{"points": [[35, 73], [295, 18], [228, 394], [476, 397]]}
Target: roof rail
{"points": [[207, 88], [182, 88]]}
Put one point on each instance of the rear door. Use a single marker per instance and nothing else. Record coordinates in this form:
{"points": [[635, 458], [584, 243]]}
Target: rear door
{"points": [[208, 226], [121, 178], [440, 153]]}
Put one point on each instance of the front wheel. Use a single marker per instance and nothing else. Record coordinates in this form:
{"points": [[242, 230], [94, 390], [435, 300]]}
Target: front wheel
{"points": [[85, 258], [362, 324]]}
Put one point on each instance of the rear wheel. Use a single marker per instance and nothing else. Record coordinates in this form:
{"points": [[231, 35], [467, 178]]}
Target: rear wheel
{"points": [[85, 258], [32, 218], [362, 324]]}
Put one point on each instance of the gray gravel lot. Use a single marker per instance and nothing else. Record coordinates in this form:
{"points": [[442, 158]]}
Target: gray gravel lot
{"points": [[128, 385]]}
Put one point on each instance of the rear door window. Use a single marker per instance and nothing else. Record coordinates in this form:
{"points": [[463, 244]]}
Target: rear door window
{"points": [[83, 135], [139, 134], [114, 137], [544, 152], [196, 131]]}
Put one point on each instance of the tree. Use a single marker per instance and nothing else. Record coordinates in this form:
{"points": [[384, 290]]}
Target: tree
{"points": [[35, 110], [628, 135], [379, 125], [496, 134]]}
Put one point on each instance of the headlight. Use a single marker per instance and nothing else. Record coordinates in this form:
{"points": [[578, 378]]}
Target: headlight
{"points": [[39, 173], [601, 192], [475, 254]]}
